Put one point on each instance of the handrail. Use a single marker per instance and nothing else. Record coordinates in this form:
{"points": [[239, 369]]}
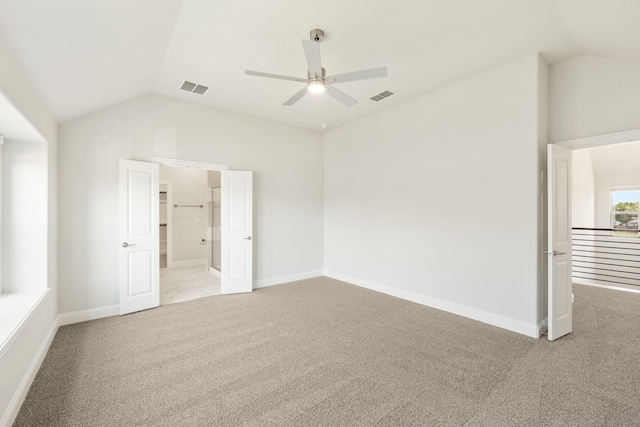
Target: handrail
{"points": [[597, 229]]}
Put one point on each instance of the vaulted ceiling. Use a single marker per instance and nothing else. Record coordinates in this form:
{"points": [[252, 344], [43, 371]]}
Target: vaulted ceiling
{"points": [[86, 55]]}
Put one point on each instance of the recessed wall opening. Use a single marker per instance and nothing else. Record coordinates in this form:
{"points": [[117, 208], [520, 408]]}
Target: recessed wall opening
{"points": [[190, 245], [605, 197]]}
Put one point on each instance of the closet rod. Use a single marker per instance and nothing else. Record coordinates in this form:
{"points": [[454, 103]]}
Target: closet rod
{"points": [[188, 206]]}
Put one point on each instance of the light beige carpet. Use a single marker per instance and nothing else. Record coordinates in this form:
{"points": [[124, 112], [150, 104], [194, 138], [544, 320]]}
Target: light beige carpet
{"points": [[322, 352]]}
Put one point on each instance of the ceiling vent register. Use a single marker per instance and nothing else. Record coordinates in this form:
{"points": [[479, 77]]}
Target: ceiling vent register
{"points": [[382, 95], [194, 88]]}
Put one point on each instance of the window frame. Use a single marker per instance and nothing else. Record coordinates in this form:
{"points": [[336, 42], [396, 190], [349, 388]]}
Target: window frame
{"points": [[612, 212]]}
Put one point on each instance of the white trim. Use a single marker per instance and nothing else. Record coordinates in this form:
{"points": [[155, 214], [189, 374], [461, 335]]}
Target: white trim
{"points": [[624, 288], [215, 272], [11, 336], [189, 263], [17, 400], [86, 315], [519, 326], [599, 140], [286, 279], [189, 164]]}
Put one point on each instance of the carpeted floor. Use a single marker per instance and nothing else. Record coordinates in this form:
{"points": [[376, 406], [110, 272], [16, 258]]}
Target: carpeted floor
{"points": [[322, 352]]}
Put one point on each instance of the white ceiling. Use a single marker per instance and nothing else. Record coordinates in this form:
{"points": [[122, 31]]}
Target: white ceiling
{"points": [[616, 159], [87, 55]]}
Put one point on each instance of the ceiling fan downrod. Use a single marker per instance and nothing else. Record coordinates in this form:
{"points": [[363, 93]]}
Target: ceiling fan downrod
{"points": [[316, 35]]}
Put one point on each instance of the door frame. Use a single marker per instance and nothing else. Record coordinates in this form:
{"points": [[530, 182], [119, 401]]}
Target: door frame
{"points": [[598, 141]]}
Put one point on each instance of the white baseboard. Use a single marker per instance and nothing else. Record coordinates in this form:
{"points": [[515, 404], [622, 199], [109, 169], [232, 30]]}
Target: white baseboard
{"points": [[215, 272], [624, 288], [524, 328], [189, 263], [18, 397], [90, 314], [286, 279]]}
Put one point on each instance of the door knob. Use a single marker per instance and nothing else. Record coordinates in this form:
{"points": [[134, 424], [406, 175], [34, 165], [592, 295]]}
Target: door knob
{"points": [[126, 245], [554, 253], [247, 238]]}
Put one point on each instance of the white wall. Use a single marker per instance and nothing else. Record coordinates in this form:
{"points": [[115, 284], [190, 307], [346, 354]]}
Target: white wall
{"points": [[189, 187], [24, 219], [596, 171], [445, 186], [288, 187], [583, 189], [593, 96], [21, 357]]}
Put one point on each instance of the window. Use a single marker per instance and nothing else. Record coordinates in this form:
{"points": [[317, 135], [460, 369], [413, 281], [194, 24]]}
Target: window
{"points": [[624, 212]]}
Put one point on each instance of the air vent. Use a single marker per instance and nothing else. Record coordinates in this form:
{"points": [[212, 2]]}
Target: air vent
{"points": [[382, 95], [194, 88]]}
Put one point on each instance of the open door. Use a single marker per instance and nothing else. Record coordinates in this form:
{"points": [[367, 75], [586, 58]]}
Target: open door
{"points": [[237, 231], [560, 300], [139, 230]]}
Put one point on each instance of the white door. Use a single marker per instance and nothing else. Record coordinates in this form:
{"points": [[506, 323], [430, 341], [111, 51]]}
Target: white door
{"points": [[237, 232], [139, 236], [559, 242]]}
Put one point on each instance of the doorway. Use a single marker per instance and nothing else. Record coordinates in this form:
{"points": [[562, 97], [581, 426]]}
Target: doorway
{"points": [[605, 197], [139, 201], [189, 233]]}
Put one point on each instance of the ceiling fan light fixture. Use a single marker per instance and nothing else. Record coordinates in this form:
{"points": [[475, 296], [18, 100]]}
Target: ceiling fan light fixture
{"points": [[316, 86]]}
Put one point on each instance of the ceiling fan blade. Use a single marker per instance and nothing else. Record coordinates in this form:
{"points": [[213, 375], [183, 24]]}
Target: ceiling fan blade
{"points": [[340, 96], [312, 52], [274, 76], [296, 97], [373, 73]]}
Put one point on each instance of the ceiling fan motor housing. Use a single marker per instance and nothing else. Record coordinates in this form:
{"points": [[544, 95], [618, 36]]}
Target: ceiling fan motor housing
{"points": [[317, 35], [314, 77]]}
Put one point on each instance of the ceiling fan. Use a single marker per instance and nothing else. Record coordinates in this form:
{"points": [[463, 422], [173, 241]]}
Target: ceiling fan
{"points": [[317, 81]]}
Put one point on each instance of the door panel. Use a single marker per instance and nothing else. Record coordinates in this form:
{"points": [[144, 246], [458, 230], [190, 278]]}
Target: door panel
{"points": [[139, 266], [560, 316], [139, 236], [237, 232]]}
